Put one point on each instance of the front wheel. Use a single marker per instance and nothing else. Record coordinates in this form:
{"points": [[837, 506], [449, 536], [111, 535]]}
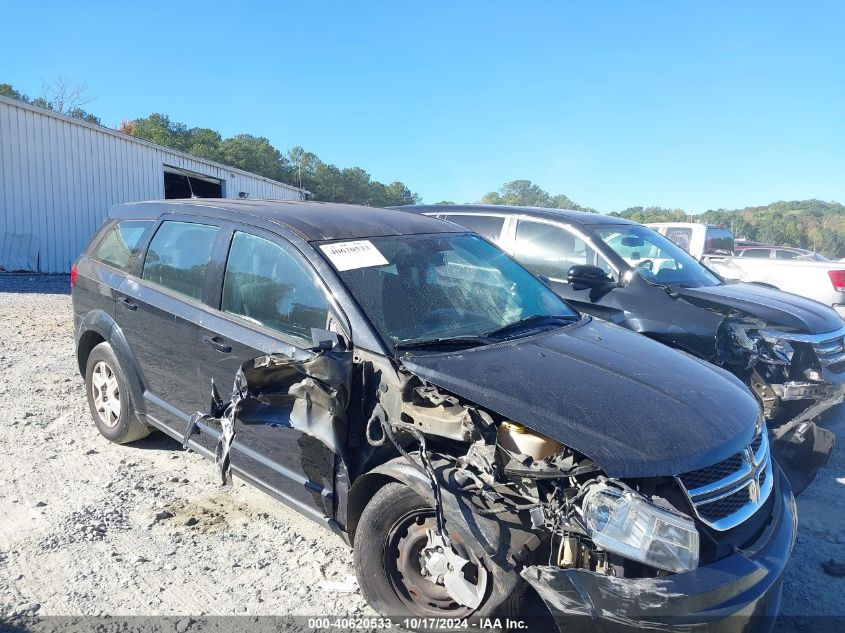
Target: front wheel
{"points": [[400, 575]]}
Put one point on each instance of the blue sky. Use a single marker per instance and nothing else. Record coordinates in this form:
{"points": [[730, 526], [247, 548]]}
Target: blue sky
{"points": [[678, 104]]}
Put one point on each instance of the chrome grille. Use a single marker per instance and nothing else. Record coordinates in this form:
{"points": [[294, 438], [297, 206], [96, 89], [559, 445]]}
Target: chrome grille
{"points": [[831, 353], [726, 494]]}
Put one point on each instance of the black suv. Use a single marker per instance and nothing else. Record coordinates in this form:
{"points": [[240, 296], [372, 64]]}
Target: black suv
{"points": [[407, 384]]}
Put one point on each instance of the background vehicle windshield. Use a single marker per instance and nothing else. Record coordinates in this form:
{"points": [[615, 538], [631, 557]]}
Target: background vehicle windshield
{"points": [[443, 286], [654, 257]]}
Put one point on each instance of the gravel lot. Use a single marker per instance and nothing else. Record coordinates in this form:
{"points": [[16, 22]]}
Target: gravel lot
{"points": [[92, 528]]}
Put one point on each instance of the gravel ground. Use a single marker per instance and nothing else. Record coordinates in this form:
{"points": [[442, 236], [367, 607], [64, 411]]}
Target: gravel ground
{"points": [[93, 528]]}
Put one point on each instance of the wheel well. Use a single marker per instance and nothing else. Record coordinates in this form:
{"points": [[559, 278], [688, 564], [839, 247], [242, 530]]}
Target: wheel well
{"points": [[88, 341], [363, 490]]}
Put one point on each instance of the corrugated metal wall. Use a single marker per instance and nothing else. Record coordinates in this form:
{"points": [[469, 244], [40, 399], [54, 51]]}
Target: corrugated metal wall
{"points": [[59, 177]]}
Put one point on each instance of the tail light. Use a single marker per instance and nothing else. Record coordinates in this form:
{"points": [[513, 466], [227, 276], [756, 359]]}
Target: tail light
{"points": [[73, 275], [837, 278]]}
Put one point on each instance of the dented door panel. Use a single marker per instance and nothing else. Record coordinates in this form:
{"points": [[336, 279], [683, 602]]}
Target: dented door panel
{"points": [[267, 446]]}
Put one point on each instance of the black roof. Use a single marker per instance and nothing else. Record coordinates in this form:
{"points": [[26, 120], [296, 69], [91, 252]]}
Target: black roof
{"points": [[312, 221], [565, 215]]}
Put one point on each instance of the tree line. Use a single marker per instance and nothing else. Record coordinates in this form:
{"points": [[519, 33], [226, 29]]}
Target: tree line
{"points": [[812, 224], [296, 166]]}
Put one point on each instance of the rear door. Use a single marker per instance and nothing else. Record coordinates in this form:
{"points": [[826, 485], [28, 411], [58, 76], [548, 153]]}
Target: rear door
{"points": [[157, 311], [268, 298], [100, 273]]}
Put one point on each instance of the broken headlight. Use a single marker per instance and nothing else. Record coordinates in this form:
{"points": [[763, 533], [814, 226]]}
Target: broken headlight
{"points": [[626, 523], [768, 346], [774, 349]]}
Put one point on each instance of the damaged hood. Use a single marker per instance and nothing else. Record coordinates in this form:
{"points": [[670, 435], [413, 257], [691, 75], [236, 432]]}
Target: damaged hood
{"points": [[778, 309], [634, 406]]}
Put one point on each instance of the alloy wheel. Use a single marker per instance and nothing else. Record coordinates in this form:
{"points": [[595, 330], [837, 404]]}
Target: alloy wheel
{"points": [[106, 393]]}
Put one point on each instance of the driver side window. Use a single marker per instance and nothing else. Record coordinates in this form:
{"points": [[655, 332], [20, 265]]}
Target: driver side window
{"points": [[266, 285], [546, 249]]}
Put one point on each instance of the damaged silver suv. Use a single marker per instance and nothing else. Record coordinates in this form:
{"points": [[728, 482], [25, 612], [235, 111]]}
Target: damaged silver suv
{"points": [[410, 386]]}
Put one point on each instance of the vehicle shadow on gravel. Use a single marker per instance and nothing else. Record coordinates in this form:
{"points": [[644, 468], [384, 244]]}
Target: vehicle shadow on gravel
{"points": [[157, 441], [24, 283]]}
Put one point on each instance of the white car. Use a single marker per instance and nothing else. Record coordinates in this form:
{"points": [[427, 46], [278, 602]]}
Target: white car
{"points": [[819, 280]]}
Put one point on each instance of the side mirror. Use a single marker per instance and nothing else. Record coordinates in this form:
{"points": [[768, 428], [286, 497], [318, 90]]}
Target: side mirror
{"points": [[583, 276], [546, 281], [324, 340]]}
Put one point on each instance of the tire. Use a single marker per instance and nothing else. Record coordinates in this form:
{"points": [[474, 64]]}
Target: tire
{"points": [[108, 398], [377, 558]]}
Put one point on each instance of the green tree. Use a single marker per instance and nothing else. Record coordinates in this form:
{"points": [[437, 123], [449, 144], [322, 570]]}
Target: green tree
{"points": [[255, 154], [158, 128], [205, 143], [524, 193], [6, 90]]}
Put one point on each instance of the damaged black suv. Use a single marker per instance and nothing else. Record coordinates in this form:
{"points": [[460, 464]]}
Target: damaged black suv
{"points": [[409, 385]]}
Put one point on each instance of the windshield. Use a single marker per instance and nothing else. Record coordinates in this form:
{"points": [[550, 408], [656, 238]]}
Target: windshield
{"points": [[428, 288], [655, 258]]}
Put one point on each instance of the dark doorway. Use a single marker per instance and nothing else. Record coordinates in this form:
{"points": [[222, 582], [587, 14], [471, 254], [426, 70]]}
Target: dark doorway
{"points": [[180, 184]]}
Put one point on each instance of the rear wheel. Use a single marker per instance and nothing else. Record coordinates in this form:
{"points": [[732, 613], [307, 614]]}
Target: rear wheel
{"points": [[108, 398], [400, 575]]}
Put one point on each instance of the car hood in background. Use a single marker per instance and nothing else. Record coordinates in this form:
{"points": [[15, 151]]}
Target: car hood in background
{"points": [[781, 310], [634, 406]]}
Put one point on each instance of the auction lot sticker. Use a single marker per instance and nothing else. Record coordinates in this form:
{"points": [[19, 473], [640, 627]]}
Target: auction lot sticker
{"points": [[352, 255]]}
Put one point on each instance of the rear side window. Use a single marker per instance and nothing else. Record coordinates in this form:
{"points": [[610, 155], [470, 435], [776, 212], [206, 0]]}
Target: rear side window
{"points": [[178, 256], [757, 252], [718, 241], [485, 225], [266, 285], [681, 236], [120, 244]]}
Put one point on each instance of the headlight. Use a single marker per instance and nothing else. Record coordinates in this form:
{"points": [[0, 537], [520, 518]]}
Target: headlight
{"points": [[780, 348], [766, 344], [627, 524]]}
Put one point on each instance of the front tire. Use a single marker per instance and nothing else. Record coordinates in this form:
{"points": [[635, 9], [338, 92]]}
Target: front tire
{"points": [[108, 398], [388, 542]]}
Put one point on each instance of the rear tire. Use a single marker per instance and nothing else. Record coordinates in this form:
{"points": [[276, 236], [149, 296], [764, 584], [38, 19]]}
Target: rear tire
{"points": [[108, 398], [388, 567]]}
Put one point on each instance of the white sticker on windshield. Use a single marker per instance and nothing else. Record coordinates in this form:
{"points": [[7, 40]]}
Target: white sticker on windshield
{"points": [[352, 255]]}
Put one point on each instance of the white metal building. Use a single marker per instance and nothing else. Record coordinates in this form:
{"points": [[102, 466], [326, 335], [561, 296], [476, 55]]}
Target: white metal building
{"points": [[59, 176]]}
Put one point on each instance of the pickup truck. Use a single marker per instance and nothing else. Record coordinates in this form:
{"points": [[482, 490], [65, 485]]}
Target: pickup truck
{"points": [[821, 281]]}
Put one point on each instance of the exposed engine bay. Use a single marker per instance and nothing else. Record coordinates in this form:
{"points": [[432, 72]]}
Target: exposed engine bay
{"points": [[510, 469]]}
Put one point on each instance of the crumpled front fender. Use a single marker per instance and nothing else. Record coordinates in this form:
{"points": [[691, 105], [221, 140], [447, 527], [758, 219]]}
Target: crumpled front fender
{"points": [[502, 538]]}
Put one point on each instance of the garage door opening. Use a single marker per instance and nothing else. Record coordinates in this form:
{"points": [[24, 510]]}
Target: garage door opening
{"points": [[179, 183]]}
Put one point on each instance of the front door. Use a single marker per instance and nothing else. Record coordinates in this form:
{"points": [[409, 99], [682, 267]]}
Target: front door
{"points": [[269, 302], [551, 250]]}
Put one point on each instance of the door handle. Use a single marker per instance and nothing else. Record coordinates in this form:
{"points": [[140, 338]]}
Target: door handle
{"points": [[217, 343], [128, 303]]}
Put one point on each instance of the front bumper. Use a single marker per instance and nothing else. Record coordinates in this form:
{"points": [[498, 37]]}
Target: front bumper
{"points": [[739, 593]]}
